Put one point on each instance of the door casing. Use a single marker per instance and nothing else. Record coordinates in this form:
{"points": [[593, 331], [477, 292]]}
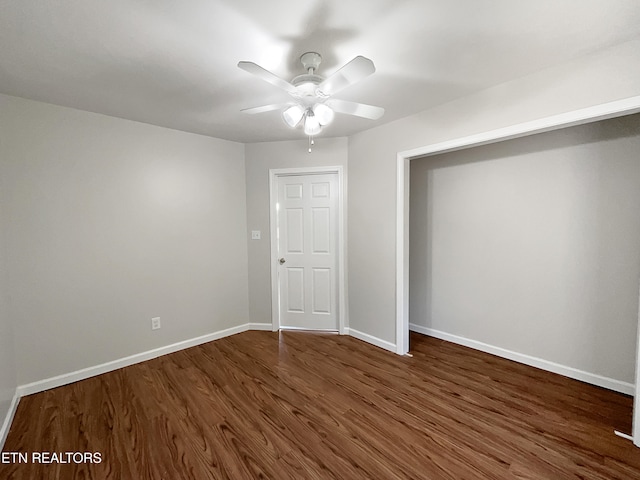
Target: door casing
{"points": [[274, 174]]}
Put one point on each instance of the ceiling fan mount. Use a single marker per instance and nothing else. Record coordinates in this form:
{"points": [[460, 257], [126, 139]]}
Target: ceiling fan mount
{"points": [[311, 60], [311, 104], [307, 83]]}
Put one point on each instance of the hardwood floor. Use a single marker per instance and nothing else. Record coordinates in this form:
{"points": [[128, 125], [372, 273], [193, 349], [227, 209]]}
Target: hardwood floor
{"points": [[315, 406]]}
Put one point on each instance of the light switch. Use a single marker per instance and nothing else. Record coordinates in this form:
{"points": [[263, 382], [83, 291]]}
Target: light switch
{"points": [[255, 234]]}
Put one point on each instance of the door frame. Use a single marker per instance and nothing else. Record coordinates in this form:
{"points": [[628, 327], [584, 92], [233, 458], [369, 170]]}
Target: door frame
{"points": [[274, 175], [582, 116]]}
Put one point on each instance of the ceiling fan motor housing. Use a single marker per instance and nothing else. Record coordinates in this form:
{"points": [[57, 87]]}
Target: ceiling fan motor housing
{"points": [[306, 84]]}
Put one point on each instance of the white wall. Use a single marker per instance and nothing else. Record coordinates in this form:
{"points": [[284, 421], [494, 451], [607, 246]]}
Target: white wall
{"points": [[533, 245], [609, 75], [109, 223], [8, 379], [260, 158]]}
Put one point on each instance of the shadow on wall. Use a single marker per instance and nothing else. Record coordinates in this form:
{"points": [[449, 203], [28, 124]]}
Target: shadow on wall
{"points": [[603, 131]]}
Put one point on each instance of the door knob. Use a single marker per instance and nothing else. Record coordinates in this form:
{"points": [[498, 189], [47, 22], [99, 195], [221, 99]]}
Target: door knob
{"points": [[282, 260]]}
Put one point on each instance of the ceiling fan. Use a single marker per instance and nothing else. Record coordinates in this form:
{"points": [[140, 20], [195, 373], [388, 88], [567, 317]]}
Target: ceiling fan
{"points": [[312, 103]]}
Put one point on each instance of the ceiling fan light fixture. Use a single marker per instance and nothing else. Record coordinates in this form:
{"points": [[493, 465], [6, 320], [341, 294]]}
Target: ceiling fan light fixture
{"points": [[293, 115], [323, 113], [311, 123], [312, 104]]}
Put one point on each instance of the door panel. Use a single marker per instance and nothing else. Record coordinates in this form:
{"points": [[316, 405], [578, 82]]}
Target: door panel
{"points": [[307, 238], [320, 190], [295, 288], [321, 228], [294, 228], [294, 191], [321, 301]]}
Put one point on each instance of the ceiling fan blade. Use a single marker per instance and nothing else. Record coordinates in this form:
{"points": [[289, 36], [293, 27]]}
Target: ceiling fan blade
{"points": [[264, 108], [267, 76], [357, 109], [352, 72]]}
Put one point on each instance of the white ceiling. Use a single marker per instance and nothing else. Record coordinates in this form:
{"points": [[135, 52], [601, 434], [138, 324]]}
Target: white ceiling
{"points": [[173, 63]]}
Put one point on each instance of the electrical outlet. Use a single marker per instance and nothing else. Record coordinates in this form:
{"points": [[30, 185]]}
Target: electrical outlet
{"points": [[155, 323]]}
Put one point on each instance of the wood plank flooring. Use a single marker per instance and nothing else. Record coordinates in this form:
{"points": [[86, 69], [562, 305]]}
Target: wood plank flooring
{"points": [[316, 406]]}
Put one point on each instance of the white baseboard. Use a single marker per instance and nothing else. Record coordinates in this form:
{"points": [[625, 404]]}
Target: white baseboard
{"points": [[4, 431], [60, 380], [592, 378], [261, 326], [67, 378], [365, 337]]}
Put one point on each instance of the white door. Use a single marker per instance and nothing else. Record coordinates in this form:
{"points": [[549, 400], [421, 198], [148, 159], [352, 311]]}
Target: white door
{"points": [[307, 242]]}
